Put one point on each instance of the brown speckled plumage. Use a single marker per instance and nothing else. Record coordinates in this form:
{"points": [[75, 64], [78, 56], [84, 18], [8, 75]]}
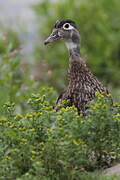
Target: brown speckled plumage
{"points": [[82, 84]]}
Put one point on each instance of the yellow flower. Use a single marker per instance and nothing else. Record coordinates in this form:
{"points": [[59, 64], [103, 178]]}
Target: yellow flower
{"points": [[103, 93], [80, 141], [34, 95], [97, 105], [109, 95], [117, 118], [102, 118], [85, 145], [47, 103], [43, 149], [28, 116], [59, 104], [33, 156], [104, 106], [66, 135], [11, 126], [99, 98], [7, 157], [50, 139], [76, 113], [41, 127], [18, 116], [32, 130], [59, 118], [81, 115], [62, 139], [74, 108], [33, 152], [70, 136], [74, 142], [59, 124], [49, 130], [7, 103], [16, 150], [89, 120], [34, 114], [93, 107], [97, 93], [42, 143], [39, 114], [62, 109], [82, 121], [9, 123], [24, 140]]}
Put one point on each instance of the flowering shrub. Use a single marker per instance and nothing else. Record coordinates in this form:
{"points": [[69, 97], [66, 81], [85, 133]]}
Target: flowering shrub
{"points": [[16, 83], [11, 75], [46, 144]]}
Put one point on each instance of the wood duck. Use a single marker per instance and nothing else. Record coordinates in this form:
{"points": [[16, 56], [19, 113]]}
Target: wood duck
{"points": [[82, 84]]}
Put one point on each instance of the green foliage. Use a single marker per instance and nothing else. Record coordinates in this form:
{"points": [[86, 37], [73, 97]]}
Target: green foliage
{"points": [[15, 82], [98, 23], [45, 144]]}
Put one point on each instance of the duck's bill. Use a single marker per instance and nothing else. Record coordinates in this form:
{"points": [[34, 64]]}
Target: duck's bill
{"points": [[53, 37]]}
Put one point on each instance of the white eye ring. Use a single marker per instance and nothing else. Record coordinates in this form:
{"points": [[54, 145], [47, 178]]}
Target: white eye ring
{"points": [[67, 26]]}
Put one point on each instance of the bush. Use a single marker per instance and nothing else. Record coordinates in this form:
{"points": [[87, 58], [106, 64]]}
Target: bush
{"points": [[45, 144], [15, 82], [11, 76]]}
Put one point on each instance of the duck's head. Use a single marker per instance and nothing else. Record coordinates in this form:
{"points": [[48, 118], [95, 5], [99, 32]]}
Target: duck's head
{"points": [[67, 31]]}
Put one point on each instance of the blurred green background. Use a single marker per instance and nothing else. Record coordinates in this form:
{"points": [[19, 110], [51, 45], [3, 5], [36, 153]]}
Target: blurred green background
{"points": [[26, 64]]}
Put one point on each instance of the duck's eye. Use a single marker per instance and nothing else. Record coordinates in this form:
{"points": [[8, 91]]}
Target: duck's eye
{"points": [[66, 26]]}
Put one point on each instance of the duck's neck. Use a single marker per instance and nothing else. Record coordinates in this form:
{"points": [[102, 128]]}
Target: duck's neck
{"points": [[76, 61], [73, 48]]}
